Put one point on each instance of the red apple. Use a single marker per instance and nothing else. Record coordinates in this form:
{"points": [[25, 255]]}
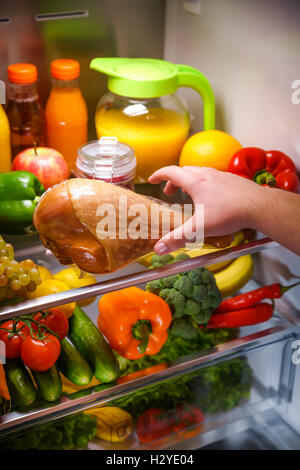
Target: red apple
{"points": [[48, 165]]}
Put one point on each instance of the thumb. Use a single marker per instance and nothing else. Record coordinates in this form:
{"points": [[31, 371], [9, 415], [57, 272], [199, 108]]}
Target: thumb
{"points": [[187, 233]]}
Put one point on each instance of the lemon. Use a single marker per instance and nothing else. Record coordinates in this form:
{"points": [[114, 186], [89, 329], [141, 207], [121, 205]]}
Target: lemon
{"points": [[53, 286], [73, 279], [44, 273], [209, 148]]}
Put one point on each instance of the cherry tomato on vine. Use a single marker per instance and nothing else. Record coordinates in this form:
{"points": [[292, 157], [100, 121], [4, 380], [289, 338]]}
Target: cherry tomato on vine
{"points": [[56, 320], [13, 342], [40, 354]]}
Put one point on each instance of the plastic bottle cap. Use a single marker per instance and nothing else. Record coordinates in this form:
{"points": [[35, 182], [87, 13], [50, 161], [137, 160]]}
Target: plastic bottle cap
{"points": [[22, 73], [65, 69], [106, 159]]}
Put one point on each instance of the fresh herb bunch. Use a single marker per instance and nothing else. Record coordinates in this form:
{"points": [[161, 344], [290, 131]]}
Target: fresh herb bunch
{"points": [[192, 296], [213, 389], [177, 347], [65, 434]]}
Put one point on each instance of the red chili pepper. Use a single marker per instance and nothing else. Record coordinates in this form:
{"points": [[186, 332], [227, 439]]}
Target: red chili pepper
{"points": [[249, 316], [248, 299], [270, 168]]}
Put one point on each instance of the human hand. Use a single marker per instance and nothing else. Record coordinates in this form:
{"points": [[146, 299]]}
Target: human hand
{"points": [[229, 201]]}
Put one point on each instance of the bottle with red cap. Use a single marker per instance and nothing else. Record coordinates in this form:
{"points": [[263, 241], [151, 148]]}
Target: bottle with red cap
{"points": [[66, 111], [24, 111]]}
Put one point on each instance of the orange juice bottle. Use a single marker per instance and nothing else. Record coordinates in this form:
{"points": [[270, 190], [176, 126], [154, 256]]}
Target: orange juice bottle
{"points": [[5, 152], [66, 111]]}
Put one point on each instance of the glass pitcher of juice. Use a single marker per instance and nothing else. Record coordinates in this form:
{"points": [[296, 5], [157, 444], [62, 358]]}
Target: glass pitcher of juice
{"points": [[24, 111], [143, 110], [66, 111], [5, 151]]}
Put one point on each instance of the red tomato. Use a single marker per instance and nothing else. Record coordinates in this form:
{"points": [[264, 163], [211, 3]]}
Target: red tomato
{"points": [[152, 425], [13, 343], [40, 354], [56, 320]]}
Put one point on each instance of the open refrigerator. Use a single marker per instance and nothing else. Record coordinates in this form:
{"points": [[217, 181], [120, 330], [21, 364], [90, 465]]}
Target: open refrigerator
{"points": [[248, 50]]}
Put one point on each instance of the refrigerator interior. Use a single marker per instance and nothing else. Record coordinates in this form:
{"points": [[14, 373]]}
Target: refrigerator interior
{"points": [[249, 52]]}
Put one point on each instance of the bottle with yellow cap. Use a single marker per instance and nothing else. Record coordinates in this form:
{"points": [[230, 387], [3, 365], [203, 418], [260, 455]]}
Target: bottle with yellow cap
{"points": [[66, 111], [24, 111]]}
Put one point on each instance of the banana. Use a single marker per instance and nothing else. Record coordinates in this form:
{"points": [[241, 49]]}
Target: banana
{"points": [[113, 423], [238, 239], [69, 387], [231, 279]]}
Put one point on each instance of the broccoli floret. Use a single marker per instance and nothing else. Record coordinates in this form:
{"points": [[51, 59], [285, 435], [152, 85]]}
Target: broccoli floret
{"points": [[216, 299], [196, 276], [199, 292], [161, 260], [191, 307], [168, 282], [194, 293], [158, 284], [202, 317], [184, 285], [154, 286], [175, 300], [181, 257]]}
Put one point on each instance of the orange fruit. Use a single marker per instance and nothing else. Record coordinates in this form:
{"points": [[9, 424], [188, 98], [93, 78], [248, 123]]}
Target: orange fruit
{"points": [[209, 148]]}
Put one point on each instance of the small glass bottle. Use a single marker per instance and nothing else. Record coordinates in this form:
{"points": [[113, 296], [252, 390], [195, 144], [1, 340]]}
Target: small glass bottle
{"points": [[108, 160], [24, 111]]}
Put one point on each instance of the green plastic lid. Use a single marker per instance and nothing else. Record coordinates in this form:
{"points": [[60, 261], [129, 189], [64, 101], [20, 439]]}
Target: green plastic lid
{"points": [[151, 78]]}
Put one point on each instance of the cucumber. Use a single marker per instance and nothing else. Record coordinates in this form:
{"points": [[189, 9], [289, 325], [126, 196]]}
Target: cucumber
{"points": [[90, 343], [20, 386], [49, 383], [73, 365]]}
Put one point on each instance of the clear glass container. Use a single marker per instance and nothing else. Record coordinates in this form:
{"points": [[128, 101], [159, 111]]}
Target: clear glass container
{"points": [[108, 160], [155, 127]]}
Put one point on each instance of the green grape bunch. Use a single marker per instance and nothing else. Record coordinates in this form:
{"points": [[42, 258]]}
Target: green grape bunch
{"points": [[16, 278]]}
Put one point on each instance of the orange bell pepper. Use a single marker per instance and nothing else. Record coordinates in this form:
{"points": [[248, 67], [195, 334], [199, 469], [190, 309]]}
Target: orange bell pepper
{"points": [[134, 322]]}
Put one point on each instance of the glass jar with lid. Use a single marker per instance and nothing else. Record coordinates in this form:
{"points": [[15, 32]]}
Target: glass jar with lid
{"points": [[108, 160]]}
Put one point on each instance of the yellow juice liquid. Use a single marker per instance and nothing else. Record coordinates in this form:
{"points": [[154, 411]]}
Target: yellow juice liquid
{"points": [[5, 148], [156, 136]]}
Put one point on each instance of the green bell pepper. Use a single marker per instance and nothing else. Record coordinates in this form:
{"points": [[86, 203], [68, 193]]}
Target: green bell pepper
{"points": [[20, 192]]}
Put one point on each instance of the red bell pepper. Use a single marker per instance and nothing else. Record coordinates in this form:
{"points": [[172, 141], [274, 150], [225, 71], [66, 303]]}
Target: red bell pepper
{"points": [[268, 168], [184, 420]]}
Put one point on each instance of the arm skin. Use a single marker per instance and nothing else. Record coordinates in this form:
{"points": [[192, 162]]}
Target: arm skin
{"points": [[231, 203], [277, 214]]}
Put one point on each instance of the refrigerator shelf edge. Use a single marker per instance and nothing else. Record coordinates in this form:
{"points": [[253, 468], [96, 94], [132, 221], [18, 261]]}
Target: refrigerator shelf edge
{"points": [[99, 288], [14, 421]]}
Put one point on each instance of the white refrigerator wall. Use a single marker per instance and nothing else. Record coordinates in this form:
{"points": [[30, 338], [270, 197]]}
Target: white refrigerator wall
{"points": [[250, 52]]}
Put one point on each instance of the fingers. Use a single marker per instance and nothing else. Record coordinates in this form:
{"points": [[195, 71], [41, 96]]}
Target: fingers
{"points": [[170, 189], [172, 241], [178, 177]]}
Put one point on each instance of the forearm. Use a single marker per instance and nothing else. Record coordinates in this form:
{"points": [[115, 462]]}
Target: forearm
{"points": [[276, 213]]}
